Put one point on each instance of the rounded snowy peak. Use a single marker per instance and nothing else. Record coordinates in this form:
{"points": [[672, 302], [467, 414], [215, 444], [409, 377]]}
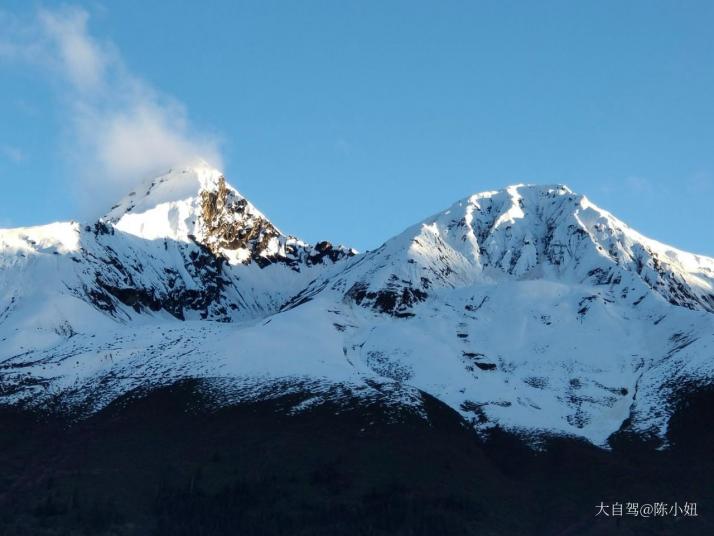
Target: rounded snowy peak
{"points": [[527, 232], [526, 192], [524, 188]]}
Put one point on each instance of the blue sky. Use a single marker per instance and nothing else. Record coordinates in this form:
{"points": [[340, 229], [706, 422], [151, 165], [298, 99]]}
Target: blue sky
{"points": [[349, 121]]}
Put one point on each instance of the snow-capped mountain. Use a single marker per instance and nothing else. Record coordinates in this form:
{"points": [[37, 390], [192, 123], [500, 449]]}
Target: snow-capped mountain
{"points": [[185, 244], [528, 307]]}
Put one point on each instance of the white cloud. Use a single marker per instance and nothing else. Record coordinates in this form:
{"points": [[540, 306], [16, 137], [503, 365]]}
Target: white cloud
{"points": [[144, 138], [78, 55], [120, 129]]}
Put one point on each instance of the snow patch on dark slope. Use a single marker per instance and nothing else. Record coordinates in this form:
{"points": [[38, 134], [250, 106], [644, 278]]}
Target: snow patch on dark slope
{"points": [[528, 307]]}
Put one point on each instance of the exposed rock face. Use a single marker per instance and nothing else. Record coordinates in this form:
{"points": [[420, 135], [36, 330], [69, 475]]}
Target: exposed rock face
{"points": [[396, 298], [188, 244], [529, 307], [230, 224], [146, 283], [523, 233]]}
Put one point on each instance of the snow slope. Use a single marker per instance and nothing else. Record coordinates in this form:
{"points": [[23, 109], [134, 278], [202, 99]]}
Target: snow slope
{"points": [[527, 307]]}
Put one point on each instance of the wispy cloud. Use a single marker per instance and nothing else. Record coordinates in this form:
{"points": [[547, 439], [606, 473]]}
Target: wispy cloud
{"points": [[121, 129], [12, 153], [80, 58], [639, 185], [700, 183]]}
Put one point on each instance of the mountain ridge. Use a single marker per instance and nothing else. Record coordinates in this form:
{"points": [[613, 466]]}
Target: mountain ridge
{"points": [[528, 308]]}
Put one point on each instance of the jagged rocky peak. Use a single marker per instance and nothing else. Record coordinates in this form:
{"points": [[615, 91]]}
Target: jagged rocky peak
{"points": [[230, 225], [197, 204], [229, 222], [179, 185], [182, 204]]}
